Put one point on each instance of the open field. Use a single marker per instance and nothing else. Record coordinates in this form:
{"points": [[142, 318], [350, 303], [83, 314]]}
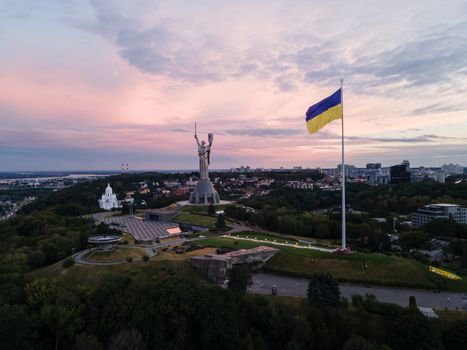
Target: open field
{"points": [[161, 266], [117, 254], [391, 271], [197, 219], [381, 269], [242, 244], [201, 208]]}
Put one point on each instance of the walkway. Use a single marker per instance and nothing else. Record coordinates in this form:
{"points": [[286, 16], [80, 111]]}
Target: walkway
{"points": [[309, 246], [297, 287], [80, 256]]}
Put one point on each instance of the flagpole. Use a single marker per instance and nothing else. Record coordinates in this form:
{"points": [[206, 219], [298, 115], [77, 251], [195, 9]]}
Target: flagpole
{"points": [[343, 171]]}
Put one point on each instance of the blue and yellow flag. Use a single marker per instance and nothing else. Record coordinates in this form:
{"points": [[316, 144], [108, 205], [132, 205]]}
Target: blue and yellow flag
{"points": [[324, 112]]}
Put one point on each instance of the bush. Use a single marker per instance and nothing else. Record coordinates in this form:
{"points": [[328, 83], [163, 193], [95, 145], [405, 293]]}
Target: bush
{"points": [[323, 290], [129, 259], [211, 209], [372, 305], [68, 262], [220, 223], [145, 258], [357, 300], [239, 278]]}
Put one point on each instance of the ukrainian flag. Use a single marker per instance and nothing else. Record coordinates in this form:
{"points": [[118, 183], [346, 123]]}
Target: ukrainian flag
{"points": [[324, 112]]}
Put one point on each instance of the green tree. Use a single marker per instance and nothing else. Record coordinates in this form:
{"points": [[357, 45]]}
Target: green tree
{"points": [[211, 209], [323, 290], [239, 278], [361, 343], [414, 332], [127, 339], [455, 336], [17, 328], [68, 262], [413, 303], [59, 309], [87, 342], [413, 240], [220, 223]]}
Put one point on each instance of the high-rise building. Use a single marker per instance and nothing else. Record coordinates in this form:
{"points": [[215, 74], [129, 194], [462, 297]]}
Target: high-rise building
{"points": [[453, 169], [406, 163], [371, 166], [349, 170], [439, 211], [399, 174]]}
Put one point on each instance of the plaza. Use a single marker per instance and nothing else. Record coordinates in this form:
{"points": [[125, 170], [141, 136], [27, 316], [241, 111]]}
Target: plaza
{"points": [[141, 229]]}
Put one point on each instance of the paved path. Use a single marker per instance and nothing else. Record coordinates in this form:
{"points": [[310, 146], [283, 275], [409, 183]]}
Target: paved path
{"points": [[309, 246], [80, 256], [293, 286]]}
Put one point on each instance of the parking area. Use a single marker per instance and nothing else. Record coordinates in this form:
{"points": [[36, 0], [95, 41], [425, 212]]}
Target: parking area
{"points": [[142, 230]]}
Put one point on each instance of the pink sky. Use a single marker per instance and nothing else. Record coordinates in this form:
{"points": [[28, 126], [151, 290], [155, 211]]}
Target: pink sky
{"points": [[91, 85]]}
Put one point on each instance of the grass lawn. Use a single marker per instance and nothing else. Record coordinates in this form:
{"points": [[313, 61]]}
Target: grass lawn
{"points": [[218, 242], [393, 271], [382, 269], [197, 219], [265, 236], [161, 266], [201, 208], [116, 255], [451, 316], [127, 237]]}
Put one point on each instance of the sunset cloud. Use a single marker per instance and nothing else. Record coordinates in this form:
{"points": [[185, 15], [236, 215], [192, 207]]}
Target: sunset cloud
{"points": [[86, 80]]}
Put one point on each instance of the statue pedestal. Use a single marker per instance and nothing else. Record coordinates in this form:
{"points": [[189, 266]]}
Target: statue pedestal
{"points": [[204, 193]]}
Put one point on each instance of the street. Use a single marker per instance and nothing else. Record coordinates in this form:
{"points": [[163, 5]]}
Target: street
{"points": [[294, 286]]}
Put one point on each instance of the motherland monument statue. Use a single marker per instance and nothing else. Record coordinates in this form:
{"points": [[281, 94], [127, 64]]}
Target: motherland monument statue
{"points": [[204, 192]]}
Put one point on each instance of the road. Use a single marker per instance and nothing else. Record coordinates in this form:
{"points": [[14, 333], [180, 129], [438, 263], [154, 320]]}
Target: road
{"points": [[293, 286]]}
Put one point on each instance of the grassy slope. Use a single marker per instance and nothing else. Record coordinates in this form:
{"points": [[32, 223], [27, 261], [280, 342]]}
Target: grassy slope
{"points": [[201, 208], [382, 269], [197, 219], [161, 266], [116, 254]]}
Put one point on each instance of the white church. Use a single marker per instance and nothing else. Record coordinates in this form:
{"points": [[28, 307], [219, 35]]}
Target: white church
{"points": [[109, 199]]}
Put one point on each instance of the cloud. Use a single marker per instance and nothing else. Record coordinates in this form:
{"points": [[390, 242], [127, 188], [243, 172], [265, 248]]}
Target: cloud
{"points": [[199, 49], [264, 132], [438, 108]]}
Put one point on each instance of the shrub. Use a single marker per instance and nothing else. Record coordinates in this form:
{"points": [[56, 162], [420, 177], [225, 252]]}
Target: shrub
{"points": [[145, 258], [357, 300], [129, 259], [323, 290], [68, 262]]}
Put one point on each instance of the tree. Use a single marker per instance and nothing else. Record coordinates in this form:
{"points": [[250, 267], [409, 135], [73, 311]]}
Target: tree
{"points": [[361, 343], [455, 336], [413, 240], [220, 223], [239, 278], [68, 262], [16, 328], [413, 303], [127, 339], [323, 290], [414, 332], [87, 342], [211, 209], [59, 309]]}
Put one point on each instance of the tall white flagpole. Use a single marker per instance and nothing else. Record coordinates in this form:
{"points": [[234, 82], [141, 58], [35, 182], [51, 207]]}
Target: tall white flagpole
{"points": [[343, 171]]}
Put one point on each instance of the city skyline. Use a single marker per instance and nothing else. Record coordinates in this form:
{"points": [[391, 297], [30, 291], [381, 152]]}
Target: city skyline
{"points": [[89, 85]]}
